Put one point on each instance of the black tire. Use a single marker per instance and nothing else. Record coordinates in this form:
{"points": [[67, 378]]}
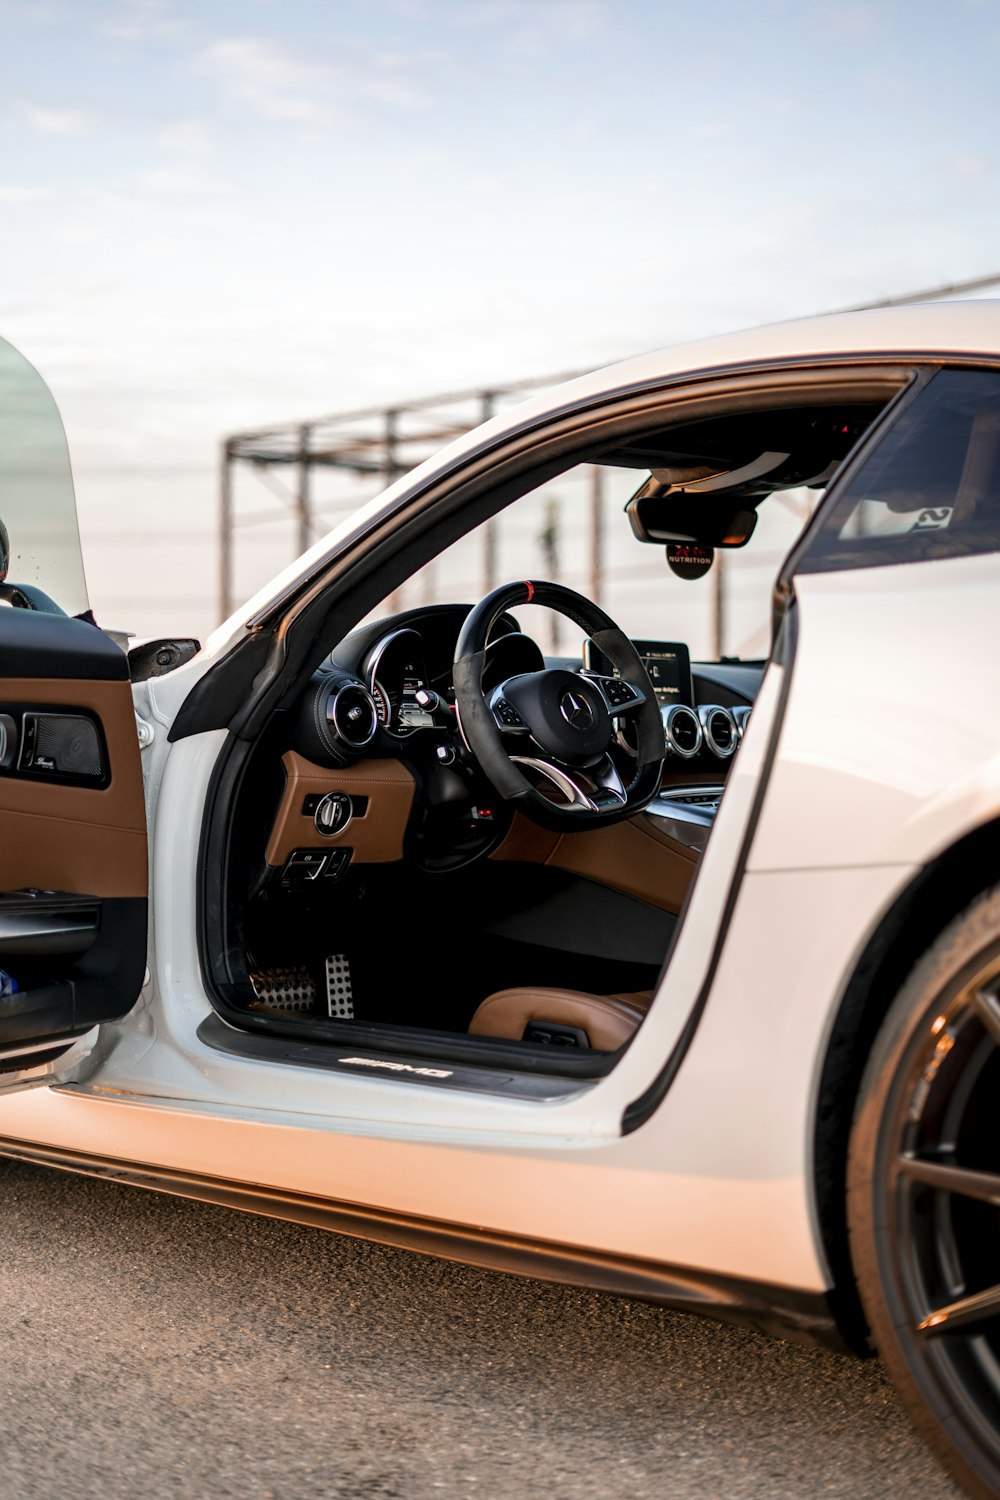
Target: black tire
{"points": [[923, 1196]]}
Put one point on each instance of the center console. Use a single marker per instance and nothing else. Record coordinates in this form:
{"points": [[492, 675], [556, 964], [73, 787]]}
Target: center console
{"points": [[701, 739]]}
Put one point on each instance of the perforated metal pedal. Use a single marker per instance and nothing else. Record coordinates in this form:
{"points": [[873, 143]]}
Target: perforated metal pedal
{"points": [[339, 993], [284, 989]]}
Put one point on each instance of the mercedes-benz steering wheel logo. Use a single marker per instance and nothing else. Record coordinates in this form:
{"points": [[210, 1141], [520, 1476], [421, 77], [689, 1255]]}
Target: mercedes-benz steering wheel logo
{"points": [[576, 710]]}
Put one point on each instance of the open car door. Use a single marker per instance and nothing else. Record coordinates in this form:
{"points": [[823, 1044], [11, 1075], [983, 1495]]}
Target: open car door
{"points": [[73, 862]]}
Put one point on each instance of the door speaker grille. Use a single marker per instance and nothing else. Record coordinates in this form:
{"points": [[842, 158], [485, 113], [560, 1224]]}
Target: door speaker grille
{"points": [[66, 744]]}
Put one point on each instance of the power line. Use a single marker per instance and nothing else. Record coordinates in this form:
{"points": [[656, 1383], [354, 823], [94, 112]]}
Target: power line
{"points": [[932, 294]]}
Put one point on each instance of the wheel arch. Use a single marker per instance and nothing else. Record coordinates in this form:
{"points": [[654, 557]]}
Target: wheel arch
{"points": [[920, 913]]}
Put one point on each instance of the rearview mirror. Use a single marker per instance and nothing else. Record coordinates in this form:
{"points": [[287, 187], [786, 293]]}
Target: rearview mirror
{"points": [[705, 520]]}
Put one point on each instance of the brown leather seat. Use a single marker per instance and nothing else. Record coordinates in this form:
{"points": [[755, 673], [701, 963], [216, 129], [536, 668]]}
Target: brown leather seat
{"points": [[608, 1021]]}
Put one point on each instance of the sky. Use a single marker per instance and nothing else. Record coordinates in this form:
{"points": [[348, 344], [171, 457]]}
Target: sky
{"points": [[217, 215]]}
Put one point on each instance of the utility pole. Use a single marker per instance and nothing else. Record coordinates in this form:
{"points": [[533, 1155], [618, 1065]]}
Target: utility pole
{"points": [[225, 531], [389, 455], [388, 475], [303, 502], [596, 533], [718, 606], [491, 539], [549, 539]]}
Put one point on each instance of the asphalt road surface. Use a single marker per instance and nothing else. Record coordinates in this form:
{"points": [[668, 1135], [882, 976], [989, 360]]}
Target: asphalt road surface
{"points": [[152, 1347]]}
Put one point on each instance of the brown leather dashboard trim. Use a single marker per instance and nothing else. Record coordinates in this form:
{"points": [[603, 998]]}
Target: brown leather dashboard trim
{"points": [[635, 857], [376, 837], [77, 838]]}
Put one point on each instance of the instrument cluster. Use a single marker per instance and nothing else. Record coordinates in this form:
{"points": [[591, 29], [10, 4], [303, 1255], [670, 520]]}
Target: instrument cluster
{"points": [[407, 693]]}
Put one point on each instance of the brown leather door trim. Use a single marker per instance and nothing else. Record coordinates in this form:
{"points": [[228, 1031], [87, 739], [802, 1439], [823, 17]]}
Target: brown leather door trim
{"points": [[77, 838], [376, 837]]}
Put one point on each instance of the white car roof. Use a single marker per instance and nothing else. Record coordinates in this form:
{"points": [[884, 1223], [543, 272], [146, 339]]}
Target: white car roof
{"points": [[936, 329]]}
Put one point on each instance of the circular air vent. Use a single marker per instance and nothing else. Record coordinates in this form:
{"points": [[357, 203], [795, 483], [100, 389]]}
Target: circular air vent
{"points": [[682, 731], [742, 717], [720, 730], [352, 716]]}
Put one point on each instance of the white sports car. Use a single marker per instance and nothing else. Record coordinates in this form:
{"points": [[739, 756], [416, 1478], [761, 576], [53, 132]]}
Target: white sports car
{"points": [[569, 965]]}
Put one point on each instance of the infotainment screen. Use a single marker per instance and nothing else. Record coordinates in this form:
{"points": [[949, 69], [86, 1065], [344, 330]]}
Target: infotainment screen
{"points": [[667, 662]]}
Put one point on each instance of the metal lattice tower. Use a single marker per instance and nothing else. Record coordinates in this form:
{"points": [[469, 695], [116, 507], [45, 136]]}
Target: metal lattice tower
{"points": [[381, 443]]}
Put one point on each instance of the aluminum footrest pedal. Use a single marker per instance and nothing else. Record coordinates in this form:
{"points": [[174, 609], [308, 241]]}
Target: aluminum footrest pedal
{"points": [[291, 989], [339, 991]]}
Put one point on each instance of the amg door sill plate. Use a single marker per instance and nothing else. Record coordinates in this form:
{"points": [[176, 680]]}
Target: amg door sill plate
{"points": [[357, 1058]]}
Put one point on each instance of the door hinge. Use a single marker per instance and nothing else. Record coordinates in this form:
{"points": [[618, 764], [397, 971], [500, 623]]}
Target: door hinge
{"points": [[145, 731]]}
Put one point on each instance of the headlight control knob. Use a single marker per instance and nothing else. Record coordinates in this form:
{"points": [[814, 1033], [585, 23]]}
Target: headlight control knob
{"points": [[333, 813]]}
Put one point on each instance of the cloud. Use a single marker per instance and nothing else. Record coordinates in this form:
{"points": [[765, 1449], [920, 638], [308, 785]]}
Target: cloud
{"points": [[534, 23], [62, 122], [180, 182], [33, 13], [847, 24], [75, 234], [138, 20], [192, 137], [274, 84], [15, 192], [291, 90]]}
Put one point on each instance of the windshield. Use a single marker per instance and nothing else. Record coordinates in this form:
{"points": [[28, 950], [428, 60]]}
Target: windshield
{"points": [[44, 563], [931, 489]]}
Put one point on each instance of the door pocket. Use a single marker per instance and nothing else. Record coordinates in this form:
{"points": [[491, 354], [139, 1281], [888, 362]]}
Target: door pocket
{"points": [[43, 935], [46, 924]]}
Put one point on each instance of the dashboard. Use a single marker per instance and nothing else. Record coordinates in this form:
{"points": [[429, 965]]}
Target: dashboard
{"points": [[405, 662], [382, 707]]}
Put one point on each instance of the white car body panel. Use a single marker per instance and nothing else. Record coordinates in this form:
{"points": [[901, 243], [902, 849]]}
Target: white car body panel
{"points": [[526, 1147], [877, 765], [681, 1189], [687, 1188], [875, 774]]}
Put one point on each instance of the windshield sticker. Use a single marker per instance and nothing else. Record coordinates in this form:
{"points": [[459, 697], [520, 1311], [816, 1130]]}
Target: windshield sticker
{"points": [[934, 520]]}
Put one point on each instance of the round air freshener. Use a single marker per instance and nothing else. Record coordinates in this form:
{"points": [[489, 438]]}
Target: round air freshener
{"points": [[688, 560]]}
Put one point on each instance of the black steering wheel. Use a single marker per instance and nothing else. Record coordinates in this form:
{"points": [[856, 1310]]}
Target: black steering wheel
{"points": [[558, 724]]}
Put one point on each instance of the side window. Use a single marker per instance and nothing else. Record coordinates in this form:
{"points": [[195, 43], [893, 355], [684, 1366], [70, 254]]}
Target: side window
{"points": [[41, 563], [931, 489], [573, 530]]}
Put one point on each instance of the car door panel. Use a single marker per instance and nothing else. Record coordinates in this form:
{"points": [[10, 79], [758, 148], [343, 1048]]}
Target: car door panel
{"points": [[68, 835], [73, 857]]}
